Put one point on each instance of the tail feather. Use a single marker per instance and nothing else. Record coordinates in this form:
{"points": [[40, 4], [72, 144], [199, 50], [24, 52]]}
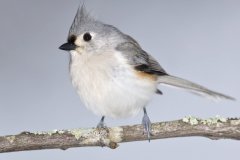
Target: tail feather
{"points": [[192, 87]]}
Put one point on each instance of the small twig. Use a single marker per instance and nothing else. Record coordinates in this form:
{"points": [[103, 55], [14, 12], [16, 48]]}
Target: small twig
{"points": [[213, 128]]}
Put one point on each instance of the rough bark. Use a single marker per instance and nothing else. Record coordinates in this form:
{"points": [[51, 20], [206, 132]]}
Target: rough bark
{"points": [[213, 128]]}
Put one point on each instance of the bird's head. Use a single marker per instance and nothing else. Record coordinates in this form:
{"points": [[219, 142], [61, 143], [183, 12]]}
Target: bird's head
{"points": [[89, 36]]}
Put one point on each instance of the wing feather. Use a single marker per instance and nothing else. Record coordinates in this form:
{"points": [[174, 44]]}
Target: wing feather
{"points": [[140, 59]]}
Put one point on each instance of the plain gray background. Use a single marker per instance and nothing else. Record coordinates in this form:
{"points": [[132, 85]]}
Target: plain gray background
{"points": [[196, 40]]}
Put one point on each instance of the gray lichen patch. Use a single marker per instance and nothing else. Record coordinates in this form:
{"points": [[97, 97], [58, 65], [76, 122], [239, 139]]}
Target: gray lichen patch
{"points": [[210, 121], [60, 131], [43, 133], [235, 122], [10, 138], [76, 132], [55, 131], [215, 120], [81, 132], [191, 120], [116, 134]]}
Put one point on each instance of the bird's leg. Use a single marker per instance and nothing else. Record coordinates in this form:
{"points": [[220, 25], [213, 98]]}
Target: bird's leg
{"points": [[101, 124], [146, 124]]}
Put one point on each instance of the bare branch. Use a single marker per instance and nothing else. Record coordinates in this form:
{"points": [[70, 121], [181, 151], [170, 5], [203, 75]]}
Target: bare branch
{"points": [[213, 128]]}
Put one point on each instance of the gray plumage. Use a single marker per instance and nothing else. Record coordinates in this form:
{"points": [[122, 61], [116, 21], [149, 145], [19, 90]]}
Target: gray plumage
{"points": [[140, 59], [136, 56], [192, 87], [146, 63], [83, 22], [113, 75]]}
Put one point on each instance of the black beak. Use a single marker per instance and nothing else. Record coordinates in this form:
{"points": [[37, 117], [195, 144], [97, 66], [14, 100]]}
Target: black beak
{"points": [[68, 47]]}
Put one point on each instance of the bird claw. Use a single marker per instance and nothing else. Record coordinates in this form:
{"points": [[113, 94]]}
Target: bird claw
{"points": [[147, 126], [101, 124]]}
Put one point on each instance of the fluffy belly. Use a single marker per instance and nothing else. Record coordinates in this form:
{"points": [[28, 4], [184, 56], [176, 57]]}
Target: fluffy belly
{"points": [[111, 90]]}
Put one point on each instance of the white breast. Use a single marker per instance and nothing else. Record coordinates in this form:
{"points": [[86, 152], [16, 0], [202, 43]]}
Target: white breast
{"points": [[108, 86]]}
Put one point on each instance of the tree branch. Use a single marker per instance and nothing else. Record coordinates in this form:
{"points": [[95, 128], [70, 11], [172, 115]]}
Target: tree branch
{"points": [[213, 128]]}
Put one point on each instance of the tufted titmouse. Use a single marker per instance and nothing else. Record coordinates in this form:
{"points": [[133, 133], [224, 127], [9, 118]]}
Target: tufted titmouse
{"points": [[113, 75]]}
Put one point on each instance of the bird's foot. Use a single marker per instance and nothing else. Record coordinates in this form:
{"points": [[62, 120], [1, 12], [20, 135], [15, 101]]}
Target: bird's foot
{"points": [[101, 124], [147, 125]]}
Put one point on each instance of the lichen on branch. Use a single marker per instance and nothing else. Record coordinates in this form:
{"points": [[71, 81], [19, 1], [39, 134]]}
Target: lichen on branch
{"points": [[213, 128]]}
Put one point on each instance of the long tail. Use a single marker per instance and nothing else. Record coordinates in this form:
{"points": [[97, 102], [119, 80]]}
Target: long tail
{"points": [[192, 87]]}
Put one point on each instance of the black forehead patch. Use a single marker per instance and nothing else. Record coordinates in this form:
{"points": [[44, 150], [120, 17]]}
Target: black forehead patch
{"points": [[72, 39]]}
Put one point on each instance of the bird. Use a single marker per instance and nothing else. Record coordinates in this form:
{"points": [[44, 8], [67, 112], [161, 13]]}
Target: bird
{"points": [[113, 75]]}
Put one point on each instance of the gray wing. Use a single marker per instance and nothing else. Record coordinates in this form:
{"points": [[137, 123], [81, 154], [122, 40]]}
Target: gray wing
{"points": [[146, 63], [140, 59]]}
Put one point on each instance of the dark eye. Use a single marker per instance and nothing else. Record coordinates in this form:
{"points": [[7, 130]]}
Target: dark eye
{"points": [[87, 37]]}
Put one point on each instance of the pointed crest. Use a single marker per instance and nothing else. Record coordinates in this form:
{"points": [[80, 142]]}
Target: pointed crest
{"points": [[82, 18]]}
